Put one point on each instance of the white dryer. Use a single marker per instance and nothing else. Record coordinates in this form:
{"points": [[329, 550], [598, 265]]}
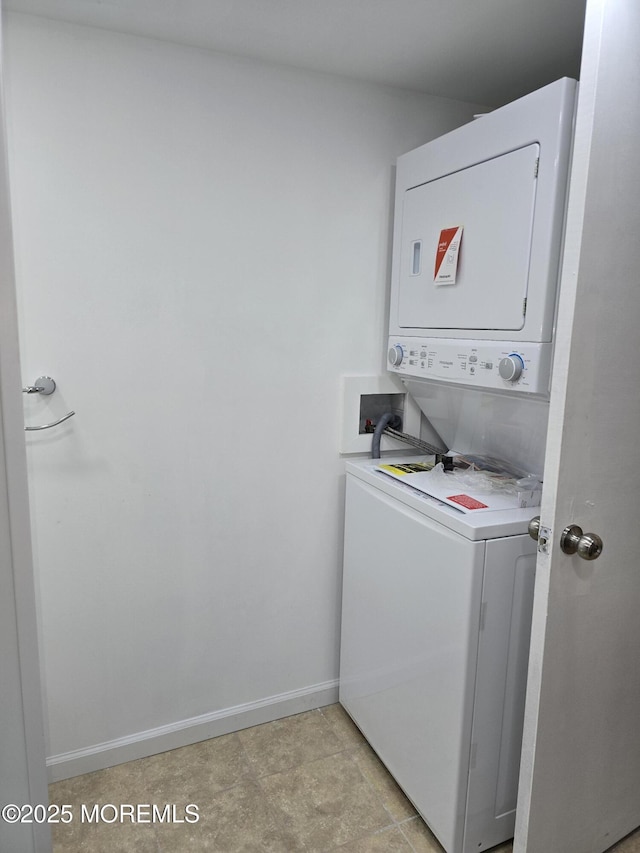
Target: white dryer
{"points": [[435, 635], [477, 244]]}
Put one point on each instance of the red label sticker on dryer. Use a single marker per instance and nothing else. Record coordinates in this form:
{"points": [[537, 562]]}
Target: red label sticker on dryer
{"points": [[467, 501], [447, 255]]}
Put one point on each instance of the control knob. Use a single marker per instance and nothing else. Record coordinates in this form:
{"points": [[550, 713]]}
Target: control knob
{"points": [[511, 367], [396, 355]]}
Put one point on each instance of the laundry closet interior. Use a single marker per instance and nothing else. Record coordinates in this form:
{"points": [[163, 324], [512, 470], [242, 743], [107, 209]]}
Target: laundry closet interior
{"points": [[203, 217]]}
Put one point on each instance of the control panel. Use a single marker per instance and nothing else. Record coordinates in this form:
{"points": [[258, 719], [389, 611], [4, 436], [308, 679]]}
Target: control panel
{"points": [[499, 365]]}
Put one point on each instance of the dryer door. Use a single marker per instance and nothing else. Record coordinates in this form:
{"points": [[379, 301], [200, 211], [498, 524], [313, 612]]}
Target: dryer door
{"points": [[493, 202]]}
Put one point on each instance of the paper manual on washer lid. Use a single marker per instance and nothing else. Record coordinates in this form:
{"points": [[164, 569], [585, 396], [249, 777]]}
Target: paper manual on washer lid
{"points": [[467, 490]]}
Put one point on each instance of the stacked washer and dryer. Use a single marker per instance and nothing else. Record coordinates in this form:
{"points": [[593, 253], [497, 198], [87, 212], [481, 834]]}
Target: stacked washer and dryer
{"points": [[437, 601]]}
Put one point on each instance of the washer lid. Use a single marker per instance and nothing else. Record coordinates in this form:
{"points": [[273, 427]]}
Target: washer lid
{"points": [[486, 525]]}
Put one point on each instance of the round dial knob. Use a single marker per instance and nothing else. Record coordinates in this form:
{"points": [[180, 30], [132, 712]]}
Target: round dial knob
{"points": [[511, 367], [395, 355]]}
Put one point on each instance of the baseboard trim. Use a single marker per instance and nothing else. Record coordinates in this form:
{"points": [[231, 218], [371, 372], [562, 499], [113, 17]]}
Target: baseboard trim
{"points": [[185, 732]]}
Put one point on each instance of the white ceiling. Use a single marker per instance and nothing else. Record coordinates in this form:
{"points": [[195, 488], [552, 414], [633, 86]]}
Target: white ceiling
{"points": [[482, 51]]}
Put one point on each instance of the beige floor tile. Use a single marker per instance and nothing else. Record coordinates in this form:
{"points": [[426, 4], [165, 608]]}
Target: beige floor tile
{"points": [[420, 837], [385, 785], [193, 773], [67, 837], [388, 841], [120, 784], [423, 841], [237, 820], [630, 844], [325, 803], [283, 744], [343, 726], [100, 837]]}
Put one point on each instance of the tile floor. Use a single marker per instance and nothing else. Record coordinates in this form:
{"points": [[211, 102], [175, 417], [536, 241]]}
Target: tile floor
{"points": [[304, 783]]}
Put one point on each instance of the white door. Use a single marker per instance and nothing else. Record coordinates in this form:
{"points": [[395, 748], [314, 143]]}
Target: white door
{"points": [[22, 756], [580, 772]]}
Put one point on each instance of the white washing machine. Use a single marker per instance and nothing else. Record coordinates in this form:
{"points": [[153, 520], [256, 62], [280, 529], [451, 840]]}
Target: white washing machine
{"points": [[435, 635]]}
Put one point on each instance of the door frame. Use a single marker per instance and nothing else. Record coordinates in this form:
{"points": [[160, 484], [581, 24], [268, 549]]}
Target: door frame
{"points": [[22, 742]]}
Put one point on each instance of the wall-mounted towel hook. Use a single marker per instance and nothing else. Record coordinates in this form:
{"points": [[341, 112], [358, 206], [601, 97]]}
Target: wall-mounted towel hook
{"points": [[44, 385]]}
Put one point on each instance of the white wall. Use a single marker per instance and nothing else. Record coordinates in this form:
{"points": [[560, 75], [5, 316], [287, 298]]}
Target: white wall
{"points": [[202, 251]]}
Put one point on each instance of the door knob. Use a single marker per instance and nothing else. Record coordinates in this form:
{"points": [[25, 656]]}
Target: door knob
{"points": [[534, 527], [586, 545]]}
